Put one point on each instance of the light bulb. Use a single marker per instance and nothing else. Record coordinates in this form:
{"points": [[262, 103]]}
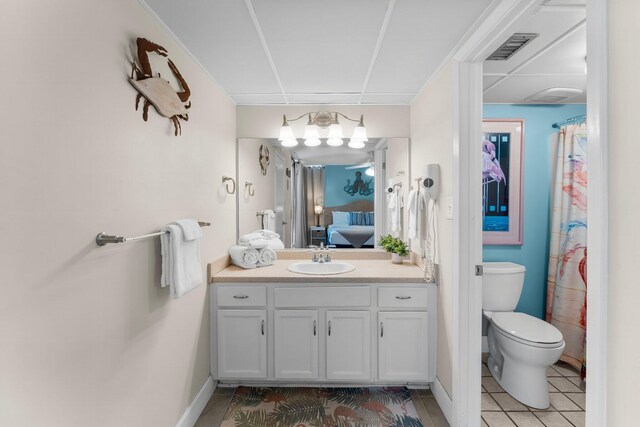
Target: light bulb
{"points": [[335, 142], [312, 142], [356, 143], [370, 171], [289, 142]]}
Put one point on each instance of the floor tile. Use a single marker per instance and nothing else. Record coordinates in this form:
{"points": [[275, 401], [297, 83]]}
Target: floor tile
{"points": [[488, 404], [508, 403], [525, 419], [424, 392], [578, 399], [422, 411], [485, 356], [578, 381], [497, 419], [225, 390], [564, 385], [552, 372], [562, 402], [214, 411], [553, 419], [551, 388], [491, 385], [566, 370], [485, 371], [482, 423], [576, 418], [435, 413]]}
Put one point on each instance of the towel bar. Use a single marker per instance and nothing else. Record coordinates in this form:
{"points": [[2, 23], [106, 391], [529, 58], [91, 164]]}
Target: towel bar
{"points": [[103, 238]]}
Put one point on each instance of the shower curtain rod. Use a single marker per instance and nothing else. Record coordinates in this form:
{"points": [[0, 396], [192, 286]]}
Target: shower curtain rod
{"points": [[570, 121]]}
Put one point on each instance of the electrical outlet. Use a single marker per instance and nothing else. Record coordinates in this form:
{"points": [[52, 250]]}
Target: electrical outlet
{"points": [[450, 207]]}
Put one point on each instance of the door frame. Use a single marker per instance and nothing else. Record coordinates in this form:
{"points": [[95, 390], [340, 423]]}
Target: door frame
{"points": [[501, 19]]}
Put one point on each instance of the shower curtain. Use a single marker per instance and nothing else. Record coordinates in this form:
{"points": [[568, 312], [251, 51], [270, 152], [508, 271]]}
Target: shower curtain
{"points": [[567, 277], [308, 191]]}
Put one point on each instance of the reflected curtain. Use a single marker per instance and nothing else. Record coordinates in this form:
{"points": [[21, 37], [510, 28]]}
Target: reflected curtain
{"points": [[567, 276], [308, 190]]}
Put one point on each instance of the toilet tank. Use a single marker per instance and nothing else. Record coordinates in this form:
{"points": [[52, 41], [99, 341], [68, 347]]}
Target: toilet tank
{"points": [[501, 285]]}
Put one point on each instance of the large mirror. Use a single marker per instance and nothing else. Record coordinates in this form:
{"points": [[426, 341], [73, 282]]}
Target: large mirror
{"points": [[321, 195]]}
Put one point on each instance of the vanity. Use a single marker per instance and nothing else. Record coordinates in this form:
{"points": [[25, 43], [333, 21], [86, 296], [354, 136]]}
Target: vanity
{"points": [[375, 324]]}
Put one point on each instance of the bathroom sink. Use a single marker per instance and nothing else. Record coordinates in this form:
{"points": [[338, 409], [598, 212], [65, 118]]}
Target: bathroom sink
{"points": [[318, 268]]}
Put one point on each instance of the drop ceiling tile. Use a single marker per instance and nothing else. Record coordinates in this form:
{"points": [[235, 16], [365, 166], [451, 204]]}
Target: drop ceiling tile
{"points": [[324, 98], [568, 57], [260, 98], [388, 98], [420, 35], [515, 89], [550, 26], [489, 80], [221, 35], [321, 47]]}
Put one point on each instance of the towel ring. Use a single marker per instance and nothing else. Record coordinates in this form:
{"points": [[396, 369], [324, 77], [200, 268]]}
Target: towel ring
{"points": [[226, 184], [247, 186]]}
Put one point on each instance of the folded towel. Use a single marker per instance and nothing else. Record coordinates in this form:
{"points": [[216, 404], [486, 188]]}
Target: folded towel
{"points": [[275, 244], [259, 239], [181, 265], [191, 230], [267, 257], [244, 256], [268, 234]]}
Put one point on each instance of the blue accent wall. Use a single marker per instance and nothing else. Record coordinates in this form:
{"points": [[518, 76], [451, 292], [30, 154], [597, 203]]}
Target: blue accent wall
{"points": [[534, 253], [336, 177]]}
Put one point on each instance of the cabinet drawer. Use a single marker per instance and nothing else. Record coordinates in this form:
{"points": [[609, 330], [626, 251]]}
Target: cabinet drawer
{"points": [[242, 296], [401, 297], [343, 296]]}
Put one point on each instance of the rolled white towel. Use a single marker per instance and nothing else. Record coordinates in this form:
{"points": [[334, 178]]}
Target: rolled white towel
{"points": [[244, 256], [267, 257]]}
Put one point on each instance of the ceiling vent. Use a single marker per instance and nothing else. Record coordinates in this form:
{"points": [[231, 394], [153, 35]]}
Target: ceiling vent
{"points": [[511, 46], [554, 94]]}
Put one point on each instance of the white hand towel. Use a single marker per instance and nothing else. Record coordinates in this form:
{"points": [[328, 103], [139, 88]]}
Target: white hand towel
{"points": [[191, 230], [395, 217], [269, 219], [267, 257], [260, 239], [181, 264], [412, 207], [244, 256]]}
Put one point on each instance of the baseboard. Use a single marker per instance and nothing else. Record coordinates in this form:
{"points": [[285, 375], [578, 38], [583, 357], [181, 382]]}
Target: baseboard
{"points": [[443, 399], [193, 411]]}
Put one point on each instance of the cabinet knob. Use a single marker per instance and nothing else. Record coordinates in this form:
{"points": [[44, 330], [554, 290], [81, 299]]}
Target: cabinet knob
{"points": [[241, 296], [403, 297]]}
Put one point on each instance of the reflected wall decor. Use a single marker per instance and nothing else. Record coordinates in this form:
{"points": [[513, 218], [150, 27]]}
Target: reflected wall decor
{"points": [[502, 148]]}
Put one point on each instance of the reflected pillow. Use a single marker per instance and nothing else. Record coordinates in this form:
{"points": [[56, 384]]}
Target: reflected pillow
{"points": [[340, 218]]}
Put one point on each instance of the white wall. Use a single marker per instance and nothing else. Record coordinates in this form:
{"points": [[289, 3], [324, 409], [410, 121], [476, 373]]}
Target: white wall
{"points": [[264, 186], [88, 336], [432, 142], [380, 120], [623, 365]]}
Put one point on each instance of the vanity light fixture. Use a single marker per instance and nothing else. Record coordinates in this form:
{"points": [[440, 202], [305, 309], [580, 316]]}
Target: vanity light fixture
{"points": [[325, 120]]}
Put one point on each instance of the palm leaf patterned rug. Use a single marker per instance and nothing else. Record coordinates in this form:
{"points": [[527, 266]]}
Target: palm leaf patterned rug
{"points": [[321, 407]]}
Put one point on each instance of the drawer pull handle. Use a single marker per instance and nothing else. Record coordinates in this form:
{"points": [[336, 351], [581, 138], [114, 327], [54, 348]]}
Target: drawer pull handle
{"points": [[314, 328], [403, 297], [241, 296], [262, 327], [329, 327], [381, 329]]}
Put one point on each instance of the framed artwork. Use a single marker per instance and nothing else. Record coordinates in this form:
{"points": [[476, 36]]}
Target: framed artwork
{"points": [[502, 181]]}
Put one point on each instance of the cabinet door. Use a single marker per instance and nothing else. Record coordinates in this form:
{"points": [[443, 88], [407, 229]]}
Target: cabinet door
{"points": [[348, 345], [403, 346], [242, 343], [296, 344]]}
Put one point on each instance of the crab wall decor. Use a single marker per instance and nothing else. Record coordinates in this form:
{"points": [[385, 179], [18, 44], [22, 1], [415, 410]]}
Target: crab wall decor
{"points": [[155, 90], [263, 158]]}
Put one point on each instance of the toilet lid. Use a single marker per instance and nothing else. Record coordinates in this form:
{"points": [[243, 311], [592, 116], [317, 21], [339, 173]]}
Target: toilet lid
{"points": [[526, 327]]}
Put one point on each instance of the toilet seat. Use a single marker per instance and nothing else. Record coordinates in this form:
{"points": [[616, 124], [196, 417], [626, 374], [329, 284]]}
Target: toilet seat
{"points": [[527, 329]]}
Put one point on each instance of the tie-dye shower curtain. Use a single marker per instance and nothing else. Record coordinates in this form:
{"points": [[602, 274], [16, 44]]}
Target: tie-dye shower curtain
{"points": [[567, 278]]}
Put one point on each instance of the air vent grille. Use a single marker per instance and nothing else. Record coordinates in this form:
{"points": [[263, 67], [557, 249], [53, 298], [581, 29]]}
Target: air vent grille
{"points": [[511, 46]]}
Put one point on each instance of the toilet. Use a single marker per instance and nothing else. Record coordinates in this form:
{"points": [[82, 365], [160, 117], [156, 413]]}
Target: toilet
{"points": [[521, 347]]}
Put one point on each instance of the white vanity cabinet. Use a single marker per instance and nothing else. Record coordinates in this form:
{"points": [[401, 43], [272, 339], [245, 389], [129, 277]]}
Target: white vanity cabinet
{"points": [[310, 333]]}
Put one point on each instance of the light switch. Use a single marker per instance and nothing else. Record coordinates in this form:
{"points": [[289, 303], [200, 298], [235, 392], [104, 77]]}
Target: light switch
{"points": [[450, 207]]}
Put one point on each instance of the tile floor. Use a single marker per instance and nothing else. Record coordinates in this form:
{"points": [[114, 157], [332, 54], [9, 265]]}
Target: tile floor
{"points": [[567, 395], [423, 400]]}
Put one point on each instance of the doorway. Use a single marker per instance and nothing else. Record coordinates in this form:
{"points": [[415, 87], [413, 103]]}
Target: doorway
{"points": [[502, 20]]}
